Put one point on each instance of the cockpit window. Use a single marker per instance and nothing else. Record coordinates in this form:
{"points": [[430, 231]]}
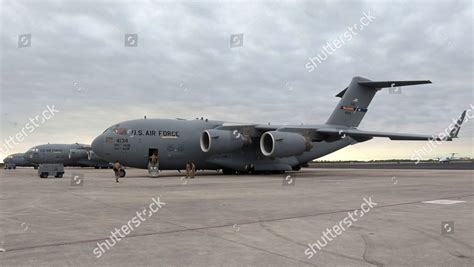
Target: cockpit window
{"points": [[120, 131], [115, 130], [108, 131]]}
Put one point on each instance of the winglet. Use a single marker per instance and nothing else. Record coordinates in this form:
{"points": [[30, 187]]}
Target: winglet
{"points": [[455, 131]]}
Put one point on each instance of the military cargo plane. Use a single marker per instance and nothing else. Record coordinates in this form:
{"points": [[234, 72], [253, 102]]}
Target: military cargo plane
{"points": [[244, 148], [16, 160], [71, 155]]}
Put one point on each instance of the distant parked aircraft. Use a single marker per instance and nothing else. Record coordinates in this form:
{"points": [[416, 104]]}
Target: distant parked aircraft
{"points": [[16, 160], [448, 159], [67, 154]]}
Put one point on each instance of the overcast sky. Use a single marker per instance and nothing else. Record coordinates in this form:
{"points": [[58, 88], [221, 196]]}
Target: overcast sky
{"points": [[184, 66]]}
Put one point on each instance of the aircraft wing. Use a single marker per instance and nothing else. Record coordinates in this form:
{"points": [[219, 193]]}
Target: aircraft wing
{"points": [[332, 133], [329, 133], [358, 134], [365, 135], [253, 130]]}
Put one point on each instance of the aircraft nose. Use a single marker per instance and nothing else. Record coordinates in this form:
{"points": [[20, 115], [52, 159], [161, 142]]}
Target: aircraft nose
{"points": [[97, 145]]}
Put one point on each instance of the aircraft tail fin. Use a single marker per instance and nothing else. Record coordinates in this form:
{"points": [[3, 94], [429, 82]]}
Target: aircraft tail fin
{"points": [[355, 99]]}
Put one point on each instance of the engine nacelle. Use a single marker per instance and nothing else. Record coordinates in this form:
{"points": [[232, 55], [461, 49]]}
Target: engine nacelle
{"points": [[283, 144], [78, 154], [93, 156], [222, 141]]}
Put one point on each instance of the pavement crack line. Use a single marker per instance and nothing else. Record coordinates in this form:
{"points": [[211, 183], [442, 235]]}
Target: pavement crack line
{"points": [[365, 257], [273, 232], [240, 243], [256, 248]]}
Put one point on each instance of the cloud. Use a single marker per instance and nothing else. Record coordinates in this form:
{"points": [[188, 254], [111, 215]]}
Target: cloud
{"points": [[184, 67]]}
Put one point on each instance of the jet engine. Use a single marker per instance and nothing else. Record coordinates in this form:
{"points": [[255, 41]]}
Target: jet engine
{"points": [[78, 154], [222, 141], [92, 156], [283, 144]]}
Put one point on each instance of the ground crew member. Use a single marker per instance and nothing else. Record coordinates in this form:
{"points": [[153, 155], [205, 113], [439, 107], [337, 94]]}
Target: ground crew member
{"points": [[188, 169], [153, 159], [117, 168], [193, 170]]}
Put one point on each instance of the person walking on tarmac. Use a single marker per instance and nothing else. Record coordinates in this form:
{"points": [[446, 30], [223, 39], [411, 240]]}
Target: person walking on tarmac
{"points": [[193, 170], [117, 168]]}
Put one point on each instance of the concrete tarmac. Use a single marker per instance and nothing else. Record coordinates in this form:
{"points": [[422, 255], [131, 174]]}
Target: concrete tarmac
{"points": [[241, 220]]}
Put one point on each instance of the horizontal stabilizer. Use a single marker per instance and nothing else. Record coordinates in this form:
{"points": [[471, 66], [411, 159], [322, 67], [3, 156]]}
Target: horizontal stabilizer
{"points": [[341, 94], [385, 84]]}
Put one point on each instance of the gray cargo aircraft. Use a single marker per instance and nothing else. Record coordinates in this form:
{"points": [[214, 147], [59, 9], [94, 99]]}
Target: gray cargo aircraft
{"points": [[73, 155], [244, 148], [16, 160]]}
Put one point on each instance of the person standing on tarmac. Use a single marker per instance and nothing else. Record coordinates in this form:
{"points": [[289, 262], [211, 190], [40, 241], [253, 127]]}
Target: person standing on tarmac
{"points": [[190, 170], [117, 168]]}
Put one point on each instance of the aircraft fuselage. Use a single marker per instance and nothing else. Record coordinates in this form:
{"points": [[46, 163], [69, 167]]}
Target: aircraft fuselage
{"points": [[178, 142]]}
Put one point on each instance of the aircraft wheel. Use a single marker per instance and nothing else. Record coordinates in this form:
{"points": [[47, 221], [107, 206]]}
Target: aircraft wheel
{"points": [[122, 173], [59, 175]]}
